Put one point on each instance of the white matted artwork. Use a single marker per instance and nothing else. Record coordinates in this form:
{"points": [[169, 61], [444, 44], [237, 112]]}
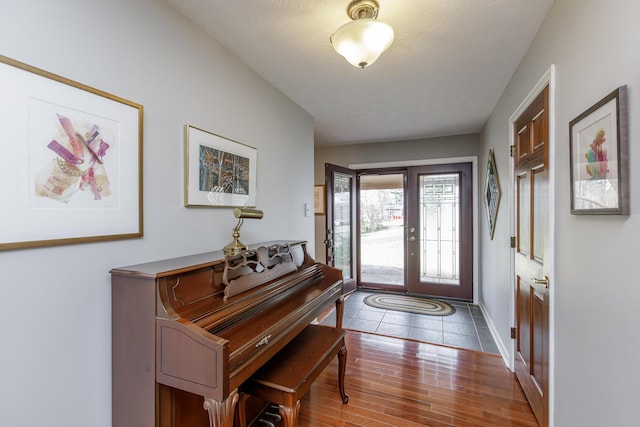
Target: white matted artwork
{"points": [[599, 157], [219, 172], [72, 170]]}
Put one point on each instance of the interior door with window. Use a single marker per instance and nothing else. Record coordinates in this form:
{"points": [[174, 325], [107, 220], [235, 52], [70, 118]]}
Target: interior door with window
{"points": [[339, 241], [440, 230]]}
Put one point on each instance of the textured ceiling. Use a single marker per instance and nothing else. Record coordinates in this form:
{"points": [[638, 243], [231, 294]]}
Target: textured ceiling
{"points": [[444, 73]]}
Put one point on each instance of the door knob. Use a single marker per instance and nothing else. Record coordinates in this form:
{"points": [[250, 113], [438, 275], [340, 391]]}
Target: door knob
{"points": [[544, 281]]}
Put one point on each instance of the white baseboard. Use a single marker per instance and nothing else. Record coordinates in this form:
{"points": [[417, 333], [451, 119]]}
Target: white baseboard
{"points": [[502, 348]]}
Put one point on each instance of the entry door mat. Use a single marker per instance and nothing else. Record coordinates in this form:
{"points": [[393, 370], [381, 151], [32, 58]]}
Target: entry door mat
{"points": [[410, 304]]}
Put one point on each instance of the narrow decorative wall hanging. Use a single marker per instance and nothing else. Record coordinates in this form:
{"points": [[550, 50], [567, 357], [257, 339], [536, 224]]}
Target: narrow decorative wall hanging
{"points": [[492, 193]]}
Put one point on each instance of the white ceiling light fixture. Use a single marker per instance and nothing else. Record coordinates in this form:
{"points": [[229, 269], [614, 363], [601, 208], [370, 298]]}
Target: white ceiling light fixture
{"points": [[362, 40]]}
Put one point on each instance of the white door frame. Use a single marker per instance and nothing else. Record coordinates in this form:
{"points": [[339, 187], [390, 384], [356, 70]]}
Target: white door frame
{"points": [[549, 78]]}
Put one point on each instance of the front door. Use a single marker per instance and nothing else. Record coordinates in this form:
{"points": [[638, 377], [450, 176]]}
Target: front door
{"points": [[341, 185], [440, 230], [532, 259]]}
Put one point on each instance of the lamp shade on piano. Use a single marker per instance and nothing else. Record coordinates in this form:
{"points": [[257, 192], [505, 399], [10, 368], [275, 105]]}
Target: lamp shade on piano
{"points": [[236, 246]]}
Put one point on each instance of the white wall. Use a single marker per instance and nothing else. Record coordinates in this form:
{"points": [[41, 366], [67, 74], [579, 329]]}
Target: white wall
{"points": [[55, 328], [595, 287]]}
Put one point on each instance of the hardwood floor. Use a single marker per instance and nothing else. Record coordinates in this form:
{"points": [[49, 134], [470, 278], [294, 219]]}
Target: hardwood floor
{"points": [[396, 382]]}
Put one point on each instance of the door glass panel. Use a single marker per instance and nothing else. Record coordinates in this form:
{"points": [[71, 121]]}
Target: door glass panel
{"points": [[342, 224], [382, 229], [524, 194], [439, 206], [540, 212]]}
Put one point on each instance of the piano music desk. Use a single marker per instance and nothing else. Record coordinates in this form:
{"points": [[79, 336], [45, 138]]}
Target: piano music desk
{"points": [[287, 377]]}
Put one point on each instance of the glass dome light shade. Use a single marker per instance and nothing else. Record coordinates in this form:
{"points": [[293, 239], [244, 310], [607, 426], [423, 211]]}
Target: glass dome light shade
{"points": [[362, 41]]}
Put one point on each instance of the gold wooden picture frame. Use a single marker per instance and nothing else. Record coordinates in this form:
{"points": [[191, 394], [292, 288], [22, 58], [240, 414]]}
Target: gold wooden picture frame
{"points": [[319, 199], [72, 169], [219, 172]]}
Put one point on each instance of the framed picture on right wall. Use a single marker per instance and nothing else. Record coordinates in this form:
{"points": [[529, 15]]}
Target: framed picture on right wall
{"points": [[492, 193], [599, 150]]}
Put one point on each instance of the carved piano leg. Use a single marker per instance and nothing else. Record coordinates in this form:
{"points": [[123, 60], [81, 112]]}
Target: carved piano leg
{"points": [[290, 414], [339, 311], [242, 410], [342, 365], [221, 413]]}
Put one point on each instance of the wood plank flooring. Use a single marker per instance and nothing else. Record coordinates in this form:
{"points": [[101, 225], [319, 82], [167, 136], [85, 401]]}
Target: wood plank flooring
{"points": [[396, 382]]}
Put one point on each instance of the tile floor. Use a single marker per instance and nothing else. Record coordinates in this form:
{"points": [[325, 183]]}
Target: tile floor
{"points": [[466, 328]]}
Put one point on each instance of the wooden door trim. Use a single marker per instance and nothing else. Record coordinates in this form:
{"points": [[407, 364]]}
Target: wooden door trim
{"points": [[548, 79]]}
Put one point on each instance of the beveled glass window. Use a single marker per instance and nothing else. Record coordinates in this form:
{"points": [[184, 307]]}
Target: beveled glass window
{"points": [[342, 223], [439, 207]]}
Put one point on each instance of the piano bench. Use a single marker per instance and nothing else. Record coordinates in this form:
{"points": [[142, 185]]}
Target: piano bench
{"points": [[286, 378]]}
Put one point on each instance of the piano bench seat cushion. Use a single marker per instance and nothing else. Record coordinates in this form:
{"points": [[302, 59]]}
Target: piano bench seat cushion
{"points": [[287, 377]]}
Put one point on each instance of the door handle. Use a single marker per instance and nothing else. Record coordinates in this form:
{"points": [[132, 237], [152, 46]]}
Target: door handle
{"points": [[544, 281], [329, 240]]}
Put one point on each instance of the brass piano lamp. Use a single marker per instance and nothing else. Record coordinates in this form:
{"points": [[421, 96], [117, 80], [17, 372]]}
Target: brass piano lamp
{"points": [[236, 246]]}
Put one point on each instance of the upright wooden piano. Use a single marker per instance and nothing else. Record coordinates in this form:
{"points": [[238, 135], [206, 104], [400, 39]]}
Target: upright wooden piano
{"points": [[201, 325]]}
